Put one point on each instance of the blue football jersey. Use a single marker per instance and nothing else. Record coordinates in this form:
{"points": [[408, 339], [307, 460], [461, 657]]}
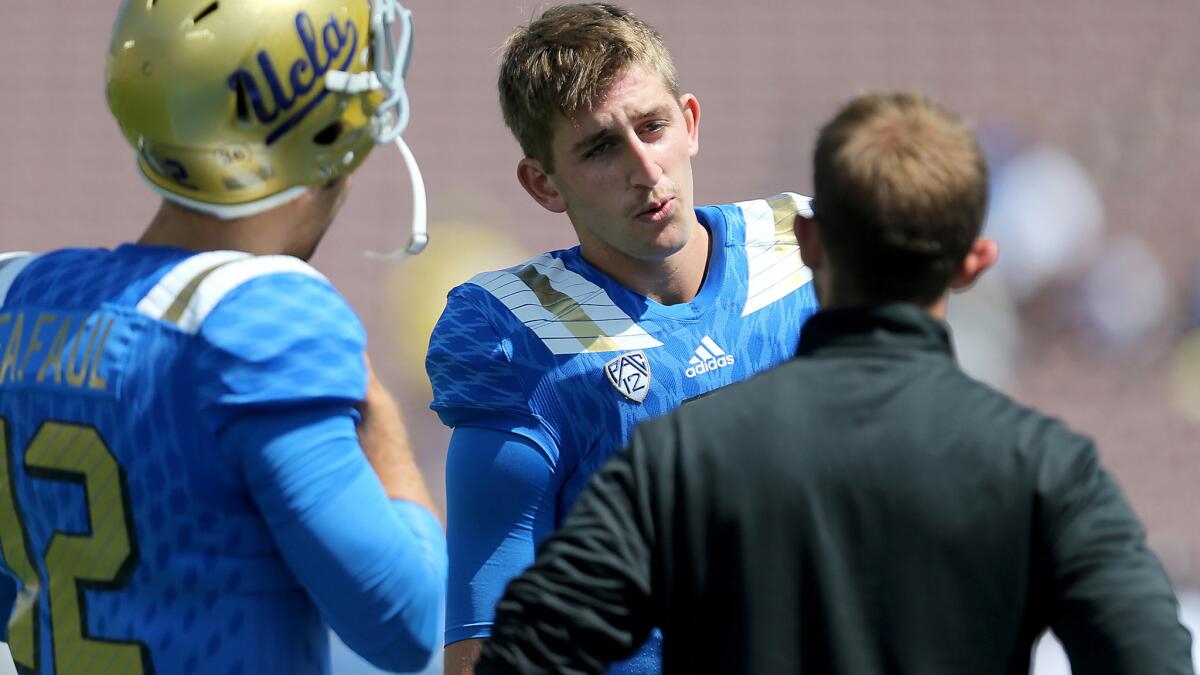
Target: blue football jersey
{"points": [[131, 529], [558, 353]]}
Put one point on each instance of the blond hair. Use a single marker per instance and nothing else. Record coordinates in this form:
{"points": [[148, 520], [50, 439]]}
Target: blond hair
{"points": [[565, 60], [901, 190]]}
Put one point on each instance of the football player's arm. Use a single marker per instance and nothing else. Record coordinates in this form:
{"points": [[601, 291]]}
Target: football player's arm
{"points": [[503, 465], [375, 567], [282, 354], [1113, 607], [385, 443], [500, 501], [588, 598]]}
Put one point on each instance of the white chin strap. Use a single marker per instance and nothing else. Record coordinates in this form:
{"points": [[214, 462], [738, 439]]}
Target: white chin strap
{"points": [[419, 236], [391, 117]]}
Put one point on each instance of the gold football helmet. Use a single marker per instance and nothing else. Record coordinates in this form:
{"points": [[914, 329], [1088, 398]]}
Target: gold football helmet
{"points": [[237, 106]]}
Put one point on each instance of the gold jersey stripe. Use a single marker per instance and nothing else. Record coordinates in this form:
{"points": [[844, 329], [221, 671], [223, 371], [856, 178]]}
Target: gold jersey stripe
{"points": [[772, 251], [570, 314], [192, 289], [181, 281], [175, 311], [223, 280]]}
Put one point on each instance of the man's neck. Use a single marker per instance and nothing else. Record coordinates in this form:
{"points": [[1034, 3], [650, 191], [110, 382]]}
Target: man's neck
{"points": [[834, 295], [673, 280], [183, 228], [832, 301]]}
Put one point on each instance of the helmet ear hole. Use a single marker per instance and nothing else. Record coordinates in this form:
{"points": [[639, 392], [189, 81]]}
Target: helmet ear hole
{"points": [[328, 135]]}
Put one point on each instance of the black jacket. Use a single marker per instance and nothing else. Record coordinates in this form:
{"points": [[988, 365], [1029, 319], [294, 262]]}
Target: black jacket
{"points": [[864, 508]]}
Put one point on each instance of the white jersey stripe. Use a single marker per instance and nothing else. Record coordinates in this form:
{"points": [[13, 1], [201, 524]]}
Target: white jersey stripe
{"points": [[188, 293], [772, 252], [162, 297], [11, 264], [217, 285], [760, 227], [570, 314]]}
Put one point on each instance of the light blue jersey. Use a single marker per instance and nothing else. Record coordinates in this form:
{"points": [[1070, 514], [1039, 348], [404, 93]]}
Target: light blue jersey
{"points": [[181, 486], [554, 355]]}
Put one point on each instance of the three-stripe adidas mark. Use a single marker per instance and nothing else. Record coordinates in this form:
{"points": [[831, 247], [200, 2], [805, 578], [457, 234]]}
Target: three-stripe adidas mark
{"points": [[709, 356]]}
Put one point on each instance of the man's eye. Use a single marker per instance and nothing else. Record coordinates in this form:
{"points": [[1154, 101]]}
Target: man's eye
{"points": [[597, 150], [654, 127]]}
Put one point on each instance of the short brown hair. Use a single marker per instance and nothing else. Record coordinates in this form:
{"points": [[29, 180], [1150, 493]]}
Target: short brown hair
{"points": [[901, 191], [564, 60]]}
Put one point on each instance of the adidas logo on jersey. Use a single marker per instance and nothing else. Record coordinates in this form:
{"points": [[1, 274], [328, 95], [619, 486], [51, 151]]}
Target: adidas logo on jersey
{"points": [[708, 358]]}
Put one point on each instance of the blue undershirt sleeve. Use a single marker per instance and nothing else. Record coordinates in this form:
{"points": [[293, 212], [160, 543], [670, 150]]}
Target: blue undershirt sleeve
{"points": [[374, 567], [500, 503]]}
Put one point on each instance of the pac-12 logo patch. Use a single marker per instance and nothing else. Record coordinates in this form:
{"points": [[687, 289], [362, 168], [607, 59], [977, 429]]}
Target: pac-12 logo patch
{"points": [[630, 374]]}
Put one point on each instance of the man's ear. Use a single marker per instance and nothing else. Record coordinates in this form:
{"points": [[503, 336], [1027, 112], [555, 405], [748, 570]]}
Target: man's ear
{"points": [[691, 120], [539, 184], [982, 255], [808, 235]]}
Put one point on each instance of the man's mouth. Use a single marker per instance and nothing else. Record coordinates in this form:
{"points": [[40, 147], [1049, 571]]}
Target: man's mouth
{"points": [[657, 211]]}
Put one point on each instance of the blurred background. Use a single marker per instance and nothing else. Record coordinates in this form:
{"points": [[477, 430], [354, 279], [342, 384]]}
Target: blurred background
{"points": [[1089, 111]]}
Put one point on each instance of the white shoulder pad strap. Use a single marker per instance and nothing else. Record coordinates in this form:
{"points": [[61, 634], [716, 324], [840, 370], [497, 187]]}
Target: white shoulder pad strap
{"points": [[570, 314], [11, 265], [188, 293], [772, 252]]}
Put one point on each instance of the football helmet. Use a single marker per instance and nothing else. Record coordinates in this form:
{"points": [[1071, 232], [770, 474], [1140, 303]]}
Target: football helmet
{"points": [[236, 106]]}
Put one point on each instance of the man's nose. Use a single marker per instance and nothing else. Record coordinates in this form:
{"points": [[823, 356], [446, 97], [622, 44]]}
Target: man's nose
{"points": [[645, 170]]}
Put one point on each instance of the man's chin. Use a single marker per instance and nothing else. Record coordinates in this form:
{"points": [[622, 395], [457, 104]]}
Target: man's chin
{"points": [[661, 249]]}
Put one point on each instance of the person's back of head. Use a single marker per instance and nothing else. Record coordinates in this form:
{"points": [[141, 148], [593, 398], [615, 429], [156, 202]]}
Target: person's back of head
{"points": [[901, 190], [567, 58]]}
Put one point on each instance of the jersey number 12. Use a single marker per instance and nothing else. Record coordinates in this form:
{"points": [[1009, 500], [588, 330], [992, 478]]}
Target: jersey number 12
{"points": [[101, 559]]}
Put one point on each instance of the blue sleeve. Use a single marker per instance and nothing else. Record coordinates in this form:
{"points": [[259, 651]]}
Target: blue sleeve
{"points": [[500, 502], [280, 340], [469, 364], [374, 567]]}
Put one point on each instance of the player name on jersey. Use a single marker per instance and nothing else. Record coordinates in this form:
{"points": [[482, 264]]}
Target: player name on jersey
{"points": [[62, 348]]}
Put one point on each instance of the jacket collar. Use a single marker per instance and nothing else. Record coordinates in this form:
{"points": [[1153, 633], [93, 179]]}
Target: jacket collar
{"points": [[898, 327]]}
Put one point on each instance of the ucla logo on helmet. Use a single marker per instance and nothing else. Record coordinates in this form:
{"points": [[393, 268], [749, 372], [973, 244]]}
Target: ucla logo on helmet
{"points": [[340, 45]]}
